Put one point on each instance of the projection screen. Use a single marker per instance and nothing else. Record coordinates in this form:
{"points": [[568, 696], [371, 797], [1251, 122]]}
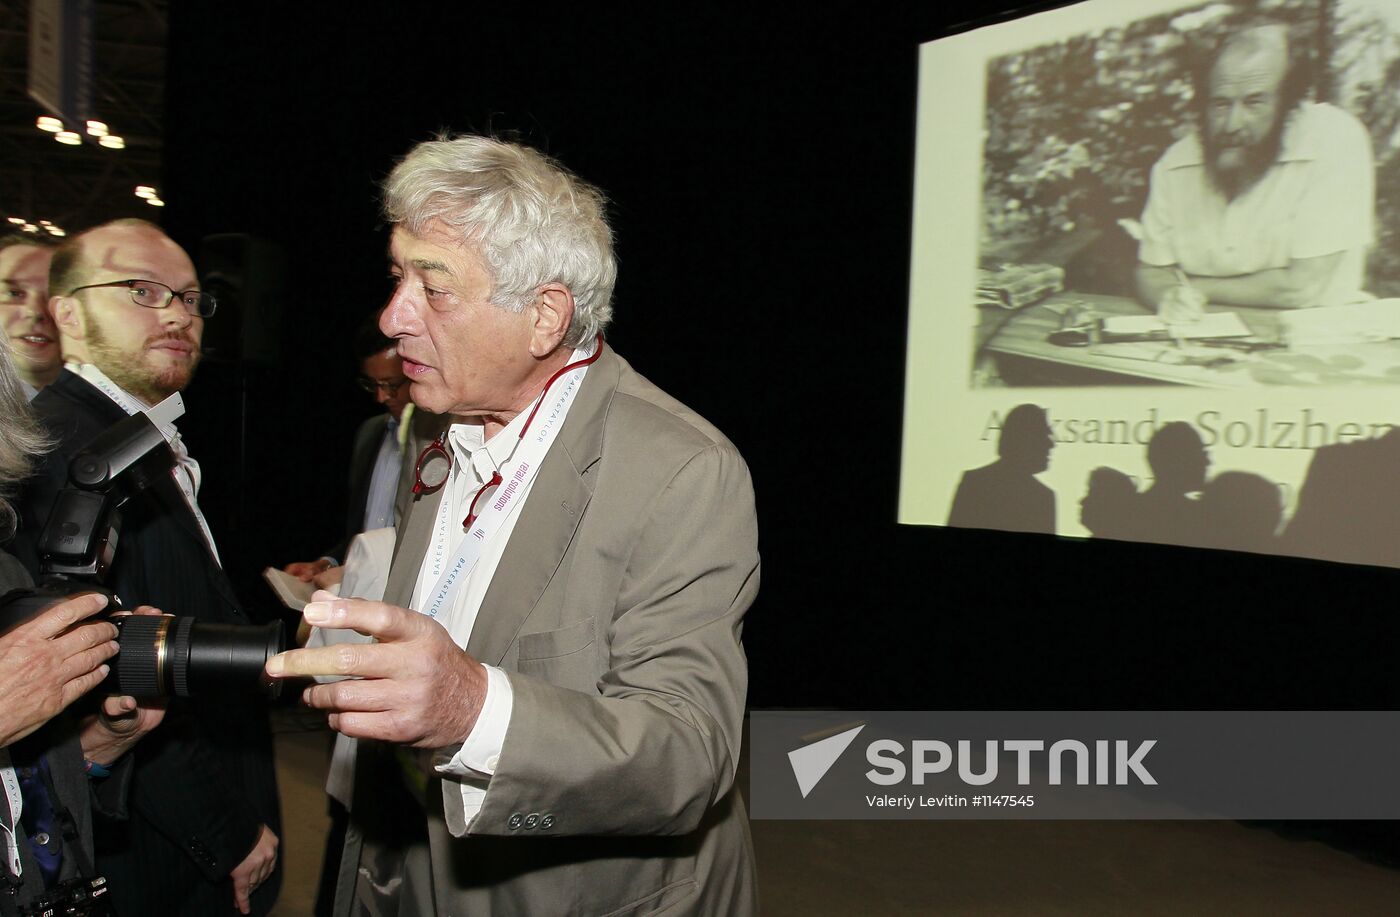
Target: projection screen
{"points": [[1158, 245]]}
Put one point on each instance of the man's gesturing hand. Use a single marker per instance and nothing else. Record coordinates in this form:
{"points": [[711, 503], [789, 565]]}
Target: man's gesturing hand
{"points": [[413, 687]]}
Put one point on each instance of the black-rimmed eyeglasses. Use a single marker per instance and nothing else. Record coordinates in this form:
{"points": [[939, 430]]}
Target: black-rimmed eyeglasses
{"points": [[374, 386], [155, 295]]}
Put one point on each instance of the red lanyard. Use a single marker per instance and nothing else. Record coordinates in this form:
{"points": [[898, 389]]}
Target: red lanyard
{"points": [[437, 451]]}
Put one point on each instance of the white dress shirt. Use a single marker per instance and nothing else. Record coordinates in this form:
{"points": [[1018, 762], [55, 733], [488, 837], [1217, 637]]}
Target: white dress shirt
{"points": [[473, 463], [186, 471]]}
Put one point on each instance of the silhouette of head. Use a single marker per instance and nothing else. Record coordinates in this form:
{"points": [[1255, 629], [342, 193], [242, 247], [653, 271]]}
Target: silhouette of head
{"points": [[1107, 507], [1178, 458], [1241, 511], [1026, 440]]}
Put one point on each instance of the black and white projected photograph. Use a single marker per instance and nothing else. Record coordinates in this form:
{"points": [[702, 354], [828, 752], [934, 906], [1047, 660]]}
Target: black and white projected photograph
{"points": [[1180, 230], [719, 459], [1201, 197]]}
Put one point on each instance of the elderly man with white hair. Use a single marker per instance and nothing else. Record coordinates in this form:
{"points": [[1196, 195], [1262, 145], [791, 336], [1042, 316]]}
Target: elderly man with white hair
{"points": [[556, 693]]}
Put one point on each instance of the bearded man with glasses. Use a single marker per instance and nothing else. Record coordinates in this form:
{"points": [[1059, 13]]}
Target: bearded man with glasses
{"points": [[202, 831]]}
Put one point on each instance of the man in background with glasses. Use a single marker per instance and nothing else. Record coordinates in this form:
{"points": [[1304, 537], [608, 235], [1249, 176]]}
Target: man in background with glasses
{"points": [[202, 832], [378, 489]]}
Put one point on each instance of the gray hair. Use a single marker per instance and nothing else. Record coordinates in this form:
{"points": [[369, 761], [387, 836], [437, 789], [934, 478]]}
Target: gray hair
{"points": [[533, 220], [22, 441]]}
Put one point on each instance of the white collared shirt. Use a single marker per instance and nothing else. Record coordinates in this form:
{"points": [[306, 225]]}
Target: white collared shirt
{"points": [[186, 471], [1317, 199], [473, 464]]}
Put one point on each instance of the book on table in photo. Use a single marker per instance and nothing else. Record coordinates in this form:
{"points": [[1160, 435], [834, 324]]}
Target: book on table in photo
{"points": [[1214, 325]]}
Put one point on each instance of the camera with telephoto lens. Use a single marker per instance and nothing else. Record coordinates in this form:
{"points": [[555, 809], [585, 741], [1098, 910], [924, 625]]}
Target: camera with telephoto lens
{"points": [[159, 655], [164, 655], [74, 898]]}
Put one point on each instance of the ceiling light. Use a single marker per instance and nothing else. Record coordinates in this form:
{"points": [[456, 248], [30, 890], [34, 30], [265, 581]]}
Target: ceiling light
{"points": [[55, 231], [97, 128], [69, 137], [155, 202], [30, 227], [112, 142], [18, 221], [49, 123], [45, 222], [145, 192]]}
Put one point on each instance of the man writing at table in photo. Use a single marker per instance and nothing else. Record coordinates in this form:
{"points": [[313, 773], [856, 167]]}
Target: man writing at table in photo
{"points": [[1269, 202]]}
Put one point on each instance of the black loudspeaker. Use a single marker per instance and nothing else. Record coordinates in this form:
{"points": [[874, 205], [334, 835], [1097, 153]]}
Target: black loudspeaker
{"points": [[247, 275]]}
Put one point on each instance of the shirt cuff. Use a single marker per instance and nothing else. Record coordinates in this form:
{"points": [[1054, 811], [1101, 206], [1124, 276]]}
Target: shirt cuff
{"points": [[480, 754]]}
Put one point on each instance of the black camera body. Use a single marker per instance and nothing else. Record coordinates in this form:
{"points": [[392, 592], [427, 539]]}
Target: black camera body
{"points": [[74, 898], [160, 655]]}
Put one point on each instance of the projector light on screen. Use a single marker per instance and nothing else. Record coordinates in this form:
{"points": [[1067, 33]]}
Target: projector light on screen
{"points": [[1155, 278]]}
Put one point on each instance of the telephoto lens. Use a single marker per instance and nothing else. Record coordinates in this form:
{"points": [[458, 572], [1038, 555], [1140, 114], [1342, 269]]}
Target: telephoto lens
{"points": [[166, 656]]}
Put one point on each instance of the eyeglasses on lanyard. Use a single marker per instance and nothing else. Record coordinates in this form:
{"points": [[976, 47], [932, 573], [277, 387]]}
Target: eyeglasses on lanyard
{"points": [[435, 461]]}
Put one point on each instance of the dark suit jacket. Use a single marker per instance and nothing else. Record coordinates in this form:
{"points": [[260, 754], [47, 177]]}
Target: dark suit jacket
{"points": [[1000, 496], [204, 781], [617, 610], [424, 427], [362, 456]]}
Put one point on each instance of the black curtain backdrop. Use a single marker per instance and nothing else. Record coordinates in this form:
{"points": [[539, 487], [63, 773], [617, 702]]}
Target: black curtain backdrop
{"points": [[759, 164]]}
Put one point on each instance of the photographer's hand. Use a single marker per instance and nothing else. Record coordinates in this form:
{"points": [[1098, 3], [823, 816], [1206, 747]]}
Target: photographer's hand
{"points": [[121, 722], [416, 686], [254, 869], [47, 662]]}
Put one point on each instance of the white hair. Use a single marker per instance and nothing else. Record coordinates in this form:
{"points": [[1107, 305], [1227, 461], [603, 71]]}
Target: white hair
{"points": [[23, 439], [533, 221]]}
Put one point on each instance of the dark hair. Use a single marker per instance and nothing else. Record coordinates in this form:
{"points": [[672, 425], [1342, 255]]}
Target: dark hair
{"points": [[1169, 444], [1026, 426], [26, 238], [369, 340]]}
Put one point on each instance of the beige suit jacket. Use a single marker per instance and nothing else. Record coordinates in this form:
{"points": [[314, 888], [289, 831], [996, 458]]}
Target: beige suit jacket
{"points": [[617, 611]]}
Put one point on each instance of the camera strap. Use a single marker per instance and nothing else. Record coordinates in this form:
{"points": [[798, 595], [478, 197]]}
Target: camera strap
{"points": [[15, 807]]}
